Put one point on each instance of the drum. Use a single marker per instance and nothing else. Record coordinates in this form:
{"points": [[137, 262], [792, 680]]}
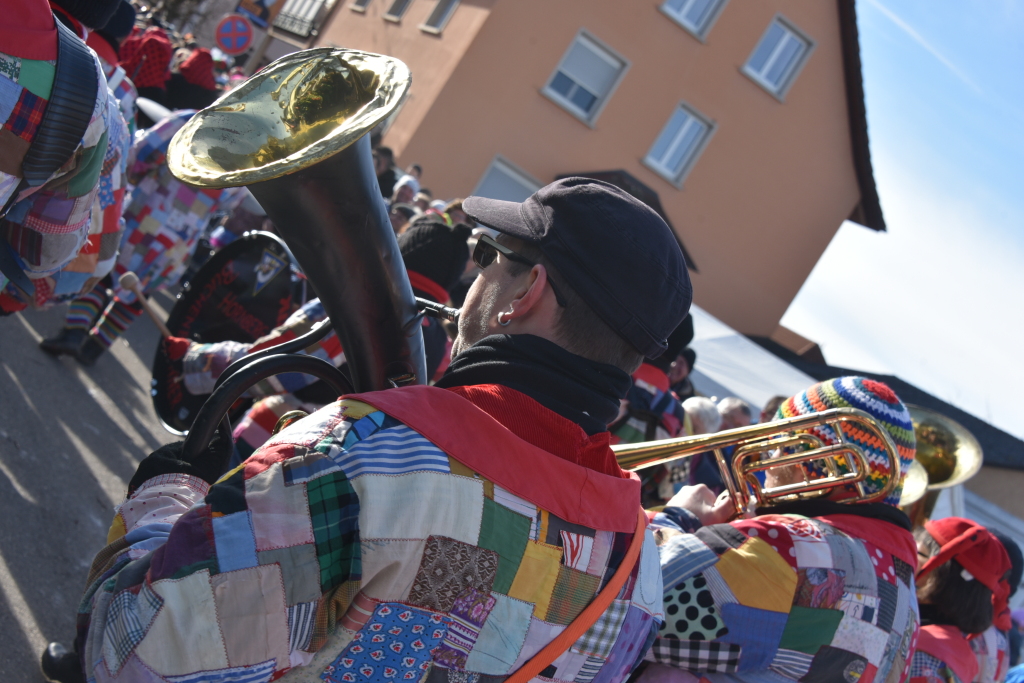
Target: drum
{"points": [[242, 293]]}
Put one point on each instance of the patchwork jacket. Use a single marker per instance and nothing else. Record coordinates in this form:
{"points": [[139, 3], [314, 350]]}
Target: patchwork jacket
{"points": [[826, 599], [944, 655], [399, 535]]}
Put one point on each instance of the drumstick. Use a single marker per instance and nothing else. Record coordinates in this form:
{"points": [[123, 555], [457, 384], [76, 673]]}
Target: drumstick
{"points": [[130, 281]]}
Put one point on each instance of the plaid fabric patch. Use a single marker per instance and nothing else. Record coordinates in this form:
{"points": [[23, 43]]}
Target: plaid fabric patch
{"points": [[599, 638], [28, 113], [573, 591], [334, 512], [128, 617], [696, 655]]}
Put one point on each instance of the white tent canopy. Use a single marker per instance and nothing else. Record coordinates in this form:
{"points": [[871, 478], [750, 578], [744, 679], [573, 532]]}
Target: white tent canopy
{"points": [[729, 364]]}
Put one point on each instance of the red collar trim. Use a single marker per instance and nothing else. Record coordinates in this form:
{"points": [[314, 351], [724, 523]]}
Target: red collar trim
{"points": [[428, 287], [948, 644], [28, 30], [574, 493], [80, 30], [104, 49], [653, 376]]}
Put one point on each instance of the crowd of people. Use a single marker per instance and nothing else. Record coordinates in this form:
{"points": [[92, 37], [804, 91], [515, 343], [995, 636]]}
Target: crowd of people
{"points": [[477, 528]]}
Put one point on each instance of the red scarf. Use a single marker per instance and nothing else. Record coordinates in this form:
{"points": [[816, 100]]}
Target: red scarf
{"points": [[653, 376], [428, 287], [948, 644], [29, 30], [105, 50]]}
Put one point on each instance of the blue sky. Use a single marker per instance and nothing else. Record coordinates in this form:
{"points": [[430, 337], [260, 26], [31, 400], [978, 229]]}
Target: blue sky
{"points": [[939, 298]]}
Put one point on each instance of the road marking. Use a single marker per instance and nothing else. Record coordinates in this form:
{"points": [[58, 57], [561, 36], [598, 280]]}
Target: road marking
{"points": [[19, 606]]}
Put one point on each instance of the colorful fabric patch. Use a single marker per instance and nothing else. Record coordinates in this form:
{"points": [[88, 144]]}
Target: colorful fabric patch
{"points": [[860, 637], [538, 572], [280, 514], [774, 531], [10, 91], [301, 618], [26, 116], [833, 665], [449, 568], [808, 629], [696, 655], [589, 670], [690, 612], [849, 555], [812, 554], [236, 544], [635, 637], [757, 632], [540, 634], [304, 468], [758, 576], [501, 637], [390, 568], [721, 537], [10, 67], [520, 505], [189, 548], [888, 596], [300, 571], [572, 593], [128, 617], [648, 588], [252, 614], [334, 513], [258, 673], [394, 645], [904, 572], [720, 590], [397, 450], [577, 549], [458, 518], [859, 606], [820, 588], [506, 533], [188, 618], [601, 552], [791, 664], [37, 76], [359, 612], [600, 637], [467, 617]]}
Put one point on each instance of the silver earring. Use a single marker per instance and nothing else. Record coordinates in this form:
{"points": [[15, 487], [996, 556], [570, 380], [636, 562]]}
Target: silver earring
{"points": [[504, 323]]}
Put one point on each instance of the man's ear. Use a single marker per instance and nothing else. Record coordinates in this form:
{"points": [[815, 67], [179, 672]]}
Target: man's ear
{"points": [[531, 293]]}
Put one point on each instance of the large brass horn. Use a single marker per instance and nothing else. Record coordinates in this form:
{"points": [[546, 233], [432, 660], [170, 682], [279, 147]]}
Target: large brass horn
{"points": [[296, 135], [948, 454], [755, 443]]}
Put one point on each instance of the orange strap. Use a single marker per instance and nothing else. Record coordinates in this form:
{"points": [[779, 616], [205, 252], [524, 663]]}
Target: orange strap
{"points": [[589, 616]]}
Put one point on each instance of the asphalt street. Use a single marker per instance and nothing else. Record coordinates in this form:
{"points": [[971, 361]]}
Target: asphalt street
{"points": [[70, 439]]}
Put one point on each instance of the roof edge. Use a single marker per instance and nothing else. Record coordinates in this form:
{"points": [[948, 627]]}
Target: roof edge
{"points": [[869, 211]]}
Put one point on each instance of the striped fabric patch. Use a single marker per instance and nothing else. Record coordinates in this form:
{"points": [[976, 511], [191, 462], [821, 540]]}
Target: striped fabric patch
{"points": [[791, 664], [257, 673], [300, 625], [396, 450]]}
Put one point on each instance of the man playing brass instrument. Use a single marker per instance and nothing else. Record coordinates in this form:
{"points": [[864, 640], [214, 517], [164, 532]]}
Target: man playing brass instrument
{"points": [[442, 533], [815, 590]]}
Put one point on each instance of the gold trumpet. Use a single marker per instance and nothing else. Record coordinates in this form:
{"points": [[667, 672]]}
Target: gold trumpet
{"points": [[947, 455], [755, 443]]}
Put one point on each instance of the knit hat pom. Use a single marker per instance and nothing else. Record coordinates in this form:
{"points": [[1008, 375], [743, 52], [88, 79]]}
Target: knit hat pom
{"points": [[878, 401]]}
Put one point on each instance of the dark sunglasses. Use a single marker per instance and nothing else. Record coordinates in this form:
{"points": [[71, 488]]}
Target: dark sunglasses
{"points": [[487, 250]]}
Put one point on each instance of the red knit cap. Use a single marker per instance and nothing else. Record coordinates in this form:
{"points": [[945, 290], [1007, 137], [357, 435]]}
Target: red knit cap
{"points": [[28, 31], [977, 551]]}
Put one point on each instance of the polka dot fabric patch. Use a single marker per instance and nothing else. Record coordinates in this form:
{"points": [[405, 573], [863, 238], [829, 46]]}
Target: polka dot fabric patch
{"points": [[775, 534], [882, 562], [690, 612]]}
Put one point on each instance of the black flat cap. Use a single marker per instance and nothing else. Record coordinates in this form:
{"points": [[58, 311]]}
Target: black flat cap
{"points": [[611, 248]]}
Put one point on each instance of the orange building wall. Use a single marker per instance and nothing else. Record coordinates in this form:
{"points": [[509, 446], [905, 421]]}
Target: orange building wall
{"points": [[760, 204]]}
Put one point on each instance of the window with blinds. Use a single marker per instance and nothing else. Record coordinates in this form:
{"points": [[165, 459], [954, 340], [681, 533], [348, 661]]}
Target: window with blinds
{"points": [[299, 16], [679, 144], [443, 11], [397, 9], [696, 16], [359, 5], [504, 181], [585, 78], [778, 57]]}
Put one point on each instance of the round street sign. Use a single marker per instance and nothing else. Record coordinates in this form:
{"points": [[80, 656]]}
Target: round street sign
{"points": [[234, 34]]}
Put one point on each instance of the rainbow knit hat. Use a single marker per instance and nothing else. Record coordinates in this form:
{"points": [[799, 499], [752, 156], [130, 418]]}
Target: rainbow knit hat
{"points": [[878, 401]]}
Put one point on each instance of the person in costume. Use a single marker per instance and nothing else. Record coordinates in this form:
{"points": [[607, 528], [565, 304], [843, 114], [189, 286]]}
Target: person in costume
{"points": [[164, 218], [815, 591], [59, 238], [434, 255], [652, 412], [962, 586], [146, 58], [998, 647], [105, 42], [194, 85], [425, 533]]}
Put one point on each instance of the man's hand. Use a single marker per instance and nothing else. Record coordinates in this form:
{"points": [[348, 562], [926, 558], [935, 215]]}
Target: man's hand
{"points": [[701, 502]]}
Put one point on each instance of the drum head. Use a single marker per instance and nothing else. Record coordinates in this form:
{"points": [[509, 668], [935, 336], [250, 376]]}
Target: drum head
{"points": [[242, 293]]}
